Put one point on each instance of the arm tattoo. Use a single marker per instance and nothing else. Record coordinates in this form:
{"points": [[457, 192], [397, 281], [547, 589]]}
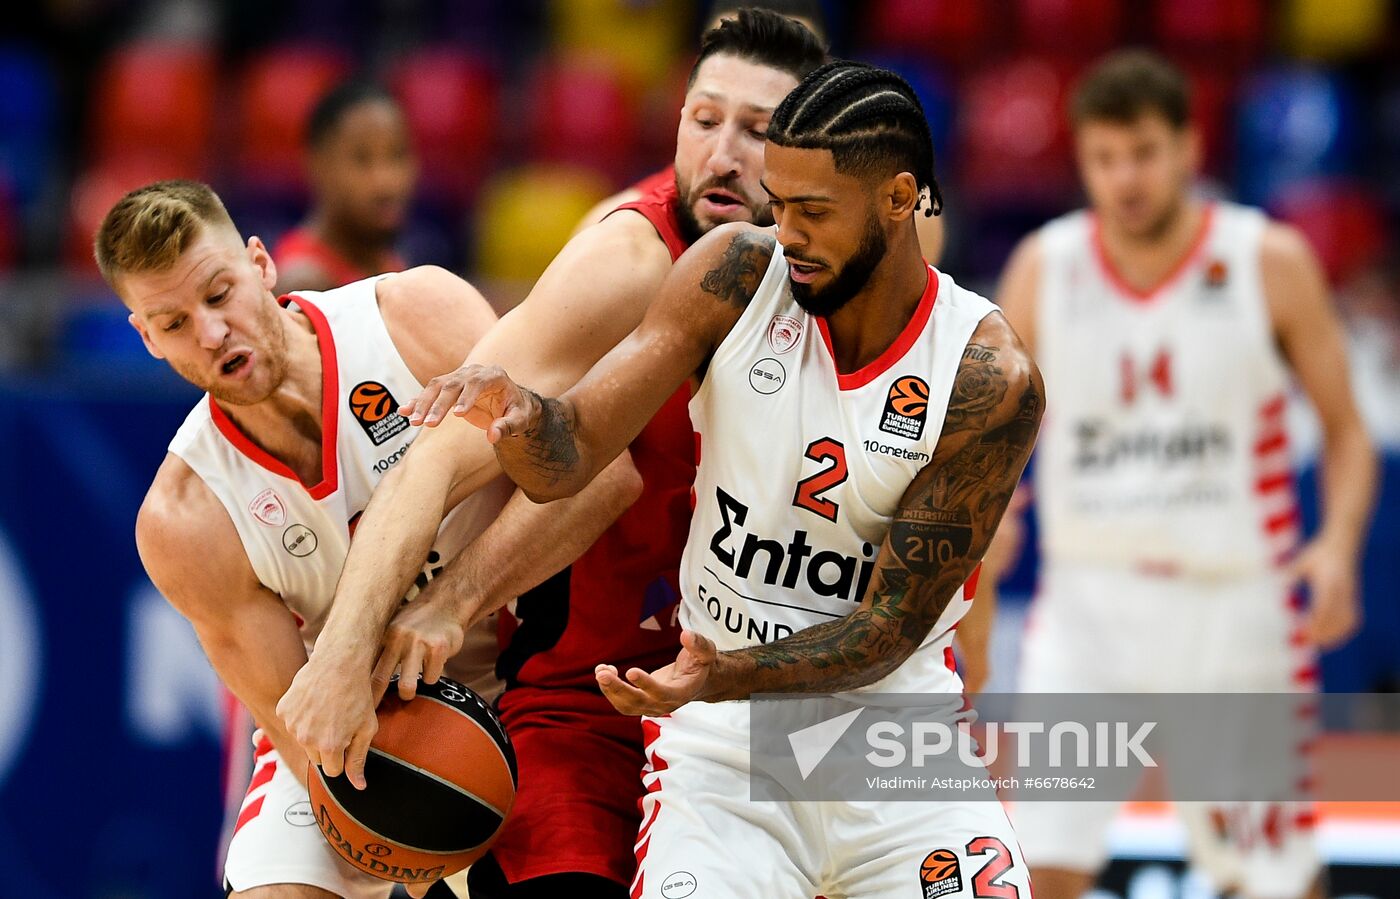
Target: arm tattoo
{"points": [[550, 447], [937, 537], [735, 280]]}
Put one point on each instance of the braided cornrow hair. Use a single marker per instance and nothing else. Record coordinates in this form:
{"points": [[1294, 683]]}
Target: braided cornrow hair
{"points": [[869, 118]]}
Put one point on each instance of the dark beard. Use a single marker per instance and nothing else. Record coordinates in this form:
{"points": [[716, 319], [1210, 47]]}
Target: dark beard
{"points": [[852, 279], [691, 229]]}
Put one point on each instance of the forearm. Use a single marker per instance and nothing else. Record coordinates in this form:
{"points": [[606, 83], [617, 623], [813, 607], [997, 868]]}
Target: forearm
{"points": [[1348, 470], [528, 543], [549, 459], [393, 537], [831, 657]]}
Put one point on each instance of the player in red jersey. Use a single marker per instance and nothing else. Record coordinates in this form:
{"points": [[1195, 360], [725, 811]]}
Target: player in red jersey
{"points": [[576, 816], [362, 171]]}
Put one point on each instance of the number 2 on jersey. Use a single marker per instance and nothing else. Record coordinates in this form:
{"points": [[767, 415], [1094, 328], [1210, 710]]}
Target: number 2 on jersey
{"points": [[810, 489]]}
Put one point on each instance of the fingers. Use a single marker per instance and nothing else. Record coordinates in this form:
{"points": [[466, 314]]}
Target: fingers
{"points": [[358, 754], [409, 669], [433, 664], [699, 645], [383, 672], [626, 698], [418, 890]]}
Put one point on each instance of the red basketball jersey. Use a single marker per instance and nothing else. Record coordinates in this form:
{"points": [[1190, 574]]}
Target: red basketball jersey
{"points": [[618, 603]]}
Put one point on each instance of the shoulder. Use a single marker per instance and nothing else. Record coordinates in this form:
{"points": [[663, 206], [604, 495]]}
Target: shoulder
{"points": [[1283, 247], [601, 209], [730, 261], [433, 317], [626, 231], [186, 539], [995, 342], [1295, 287]]}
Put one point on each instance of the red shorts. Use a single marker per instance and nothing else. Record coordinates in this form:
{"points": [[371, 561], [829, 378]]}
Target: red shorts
{"points": [[576, 810]]}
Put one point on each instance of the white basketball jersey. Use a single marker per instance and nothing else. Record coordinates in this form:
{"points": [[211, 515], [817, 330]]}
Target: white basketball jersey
{"points": [[297, 536], [1163, 445], [802, 469]]}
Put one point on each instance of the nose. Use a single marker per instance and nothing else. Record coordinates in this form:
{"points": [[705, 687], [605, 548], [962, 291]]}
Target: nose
{"points": [[210, 328], [789, 235], [724, 160]]}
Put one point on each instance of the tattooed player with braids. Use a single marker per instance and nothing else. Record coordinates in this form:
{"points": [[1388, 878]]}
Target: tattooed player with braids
{"points": [[863, 422]]}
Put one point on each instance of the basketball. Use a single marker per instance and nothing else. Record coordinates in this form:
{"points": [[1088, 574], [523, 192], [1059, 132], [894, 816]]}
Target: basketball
{"points": [[938, 864], [439, 783]]}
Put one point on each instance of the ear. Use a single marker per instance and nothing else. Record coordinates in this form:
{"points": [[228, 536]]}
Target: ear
{"points": [[262, 259], [902, 194], [145, 335]]}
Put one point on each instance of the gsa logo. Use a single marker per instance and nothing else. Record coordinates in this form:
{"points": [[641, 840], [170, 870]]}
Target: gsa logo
{"points": [[20, 657]]}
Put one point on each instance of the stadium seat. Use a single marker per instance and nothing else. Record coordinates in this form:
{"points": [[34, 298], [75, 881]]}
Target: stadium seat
{"points": [[639, 39], [1333, 29], [1079, 29], [450, 99], [1227, 32], [525, 217], [579, 112], [1212, 109], [1342, 220], [1293, 124], [276, 94], [1014, 134], [28, 114], [155, 94], [950, 32], [10, 231]]}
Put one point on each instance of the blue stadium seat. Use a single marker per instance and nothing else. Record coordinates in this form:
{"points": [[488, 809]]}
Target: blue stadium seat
{"points": [[27, 119]]}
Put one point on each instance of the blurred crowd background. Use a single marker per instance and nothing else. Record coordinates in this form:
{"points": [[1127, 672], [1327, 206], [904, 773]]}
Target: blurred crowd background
{"points": [[523, 114]]}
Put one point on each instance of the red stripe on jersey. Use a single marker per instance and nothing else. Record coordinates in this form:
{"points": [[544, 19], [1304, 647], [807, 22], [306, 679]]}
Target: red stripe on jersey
{"points": [[970, 585], [1274, 408], [249, 813], [1272, 442], [263, 775], [264, 746], [1305, 820], [1282, 521], [650, 731], [1306, 675], [1272, 482], [949, 661]]}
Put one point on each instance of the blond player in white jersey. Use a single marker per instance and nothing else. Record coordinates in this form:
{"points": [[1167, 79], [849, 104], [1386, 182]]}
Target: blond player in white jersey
{"points": [[1168, 328], [249, 520], [862, 423]]}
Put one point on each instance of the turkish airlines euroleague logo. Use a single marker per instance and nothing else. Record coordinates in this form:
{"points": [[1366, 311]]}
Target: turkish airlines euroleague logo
{"points": [[906, 408], [374, 408]]}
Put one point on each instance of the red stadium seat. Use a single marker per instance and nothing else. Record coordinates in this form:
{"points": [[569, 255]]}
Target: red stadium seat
{"points": [[276, 94], [1224, 32], [1343, 221], [451, 100], [151, 95], [1015, 137], [9, 229], [580, 113], [1070, 28], [1212, 105], [954, 32]]}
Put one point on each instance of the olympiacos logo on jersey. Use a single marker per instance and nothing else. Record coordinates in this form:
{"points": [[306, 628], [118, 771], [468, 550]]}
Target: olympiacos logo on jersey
{"points": [[783, 333], [268, 508]]}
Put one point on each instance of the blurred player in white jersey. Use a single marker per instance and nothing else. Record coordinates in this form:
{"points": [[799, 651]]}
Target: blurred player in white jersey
{"points": [[1168, 328], [248, 523]]}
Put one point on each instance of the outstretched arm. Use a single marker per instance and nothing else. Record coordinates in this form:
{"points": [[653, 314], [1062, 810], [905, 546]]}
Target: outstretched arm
{"points": [[553, 447], [941, 529]]}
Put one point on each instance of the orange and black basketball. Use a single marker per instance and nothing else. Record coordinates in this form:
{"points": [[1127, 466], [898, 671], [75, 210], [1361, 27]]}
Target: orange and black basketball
{"points": [[371, 402], [439, 783], [940, 864], [909, 396]]}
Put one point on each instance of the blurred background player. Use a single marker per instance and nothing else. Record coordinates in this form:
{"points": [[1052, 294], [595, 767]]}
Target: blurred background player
{"points": [[250, 516], [579, 758], [362, 171], [1169, 329]]}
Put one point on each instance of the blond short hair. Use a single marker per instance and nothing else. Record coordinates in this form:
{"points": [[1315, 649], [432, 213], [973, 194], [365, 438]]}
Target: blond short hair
{"points": [[149, 228]]}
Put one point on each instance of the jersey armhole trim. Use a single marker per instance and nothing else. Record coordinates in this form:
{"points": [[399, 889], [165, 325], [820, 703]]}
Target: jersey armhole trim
{"points": [[330, 407]]}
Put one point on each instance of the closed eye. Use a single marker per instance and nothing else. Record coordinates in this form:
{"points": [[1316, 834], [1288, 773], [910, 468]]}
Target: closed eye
{"points": [[216, 300], [174, 325]]}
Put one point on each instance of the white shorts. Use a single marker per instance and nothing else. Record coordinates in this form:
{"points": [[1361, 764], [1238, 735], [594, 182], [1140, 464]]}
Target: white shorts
{"points": [[276, 840], [702, 836], [1118, 631]]}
